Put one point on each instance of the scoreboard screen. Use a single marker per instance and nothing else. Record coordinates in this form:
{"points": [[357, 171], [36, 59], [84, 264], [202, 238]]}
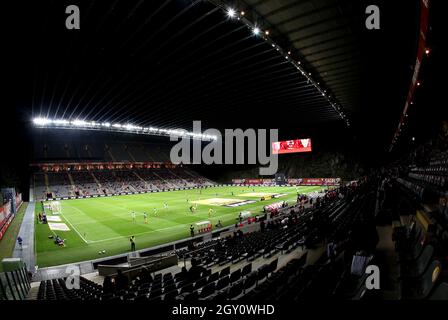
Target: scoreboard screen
{"points": [[291, 146]]}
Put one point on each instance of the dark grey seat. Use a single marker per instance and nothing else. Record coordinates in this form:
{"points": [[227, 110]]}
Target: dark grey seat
{"points": [[417, 268], [420, 288], [246, 270], [440, 293]]}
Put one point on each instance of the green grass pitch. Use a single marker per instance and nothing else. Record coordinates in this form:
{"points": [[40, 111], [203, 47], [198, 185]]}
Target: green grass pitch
{"points": [[106, 223]]}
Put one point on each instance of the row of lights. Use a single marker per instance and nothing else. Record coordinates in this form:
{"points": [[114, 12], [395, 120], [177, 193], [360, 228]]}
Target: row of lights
{"points": [[107, 126], [257, 31], [398, 132]]}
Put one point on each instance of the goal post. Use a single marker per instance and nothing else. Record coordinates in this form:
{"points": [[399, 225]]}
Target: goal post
{"points": [[52, 207]]}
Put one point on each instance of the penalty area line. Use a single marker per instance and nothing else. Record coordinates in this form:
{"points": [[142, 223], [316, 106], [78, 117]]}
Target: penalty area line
{"points": [[71, 225]]}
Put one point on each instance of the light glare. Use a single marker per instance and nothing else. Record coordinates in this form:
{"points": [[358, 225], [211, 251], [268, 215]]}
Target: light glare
{"points": [[231, 13]]}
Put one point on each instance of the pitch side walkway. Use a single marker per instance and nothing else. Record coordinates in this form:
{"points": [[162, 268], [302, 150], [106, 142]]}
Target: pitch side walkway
{"points": [[26, 253]]}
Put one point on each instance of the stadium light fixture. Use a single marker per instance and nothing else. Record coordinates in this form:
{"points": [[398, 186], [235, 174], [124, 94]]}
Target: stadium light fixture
{"points": [[59, 121], [231, 13], [41, 121], [117, 127]]}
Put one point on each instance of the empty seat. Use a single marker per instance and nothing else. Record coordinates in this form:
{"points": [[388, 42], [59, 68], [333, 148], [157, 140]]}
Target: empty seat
{"points": [[416, 268], [200, 283], [169, 288], [272, 266], [192, 296], [208, 290], [171, 295], [187, 288], [220, 296], [262, 272], [213, 277], [155, 297], [206, 273], [235, 290], [224, 272], [419, 288], [141, 297], [246, 270], [440, 293], [250, 280], [156, 292], [222, 283]]}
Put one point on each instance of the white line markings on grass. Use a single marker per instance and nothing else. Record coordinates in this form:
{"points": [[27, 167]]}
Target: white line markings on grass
{"points": [[138, 212], [120, 237], [141, 233], [76, 230]]}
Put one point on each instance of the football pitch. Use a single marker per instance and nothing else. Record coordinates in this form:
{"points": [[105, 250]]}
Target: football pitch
{"points": [[91, 225]]}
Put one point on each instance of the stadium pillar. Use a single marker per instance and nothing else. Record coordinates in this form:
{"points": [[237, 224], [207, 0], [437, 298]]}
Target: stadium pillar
{"points": [[10, 195]]}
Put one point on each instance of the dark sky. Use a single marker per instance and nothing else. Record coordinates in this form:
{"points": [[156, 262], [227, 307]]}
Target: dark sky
{"points": [[166, 63]]}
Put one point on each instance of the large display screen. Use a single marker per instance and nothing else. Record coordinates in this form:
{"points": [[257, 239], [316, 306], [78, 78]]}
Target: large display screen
{"points": [[291, 146]]}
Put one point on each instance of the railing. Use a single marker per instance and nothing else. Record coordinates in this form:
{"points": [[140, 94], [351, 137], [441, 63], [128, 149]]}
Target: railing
{"points": [[14, 285]]}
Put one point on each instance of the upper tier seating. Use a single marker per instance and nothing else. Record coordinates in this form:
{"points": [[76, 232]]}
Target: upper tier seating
{"points": [[95, 182]]}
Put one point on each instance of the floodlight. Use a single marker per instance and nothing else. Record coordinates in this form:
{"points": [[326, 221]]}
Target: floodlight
{"points": [[231, 13], [41, 121]]}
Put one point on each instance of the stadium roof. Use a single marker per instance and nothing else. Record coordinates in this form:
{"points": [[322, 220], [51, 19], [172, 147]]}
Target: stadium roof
{"points": [[165, 63]]}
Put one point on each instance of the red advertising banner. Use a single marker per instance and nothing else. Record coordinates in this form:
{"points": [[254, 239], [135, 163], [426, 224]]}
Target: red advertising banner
{"points": [[291, 146], [5, 226], [5, 218], [273, 206], [293, 181], [315, 181], [253, 181], [82, 166]]}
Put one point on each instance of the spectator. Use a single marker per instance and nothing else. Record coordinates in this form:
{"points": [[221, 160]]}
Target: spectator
{"points": [[195, 271], [145, 276], [20, 242], [184, 272], [121, 281], [108, 285]]}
